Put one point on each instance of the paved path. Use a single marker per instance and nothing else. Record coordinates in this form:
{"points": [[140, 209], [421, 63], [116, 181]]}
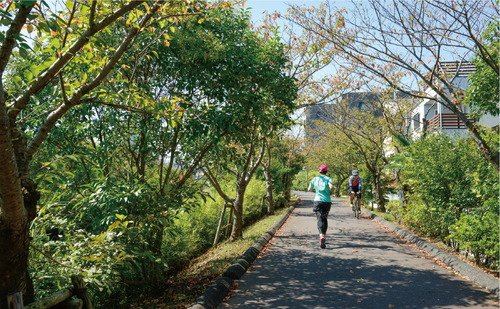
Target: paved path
{"points": [[363, 266]]}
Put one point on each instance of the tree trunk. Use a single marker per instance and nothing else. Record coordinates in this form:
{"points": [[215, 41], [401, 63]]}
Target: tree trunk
{"points": [[287, 185], [269, 180], [379, 192], [337, 189], [18, 198], [237, 231], [13, 264], [14, 276], [80, 289], [269, 188]]}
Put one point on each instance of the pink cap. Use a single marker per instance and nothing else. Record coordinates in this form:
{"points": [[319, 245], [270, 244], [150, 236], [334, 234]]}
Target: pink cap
{"points": [[323, 168]]}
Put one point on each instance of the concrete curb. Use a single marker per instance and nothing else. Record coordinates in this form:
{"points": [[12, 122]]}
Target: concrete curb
{"points": [[474, 274], [216, 292]]}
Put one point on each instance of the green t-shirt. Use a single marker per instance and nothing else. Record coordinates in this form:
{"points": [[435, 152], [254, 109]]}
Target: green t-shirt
{"points": [[321, 187]]}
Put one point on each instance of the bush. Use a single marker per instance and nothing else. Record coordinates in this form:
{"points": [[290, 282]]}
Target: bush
{"points": [[252, 206], [428, 221], [396, 209], [478, 233], [301, 180], [453, 195], [439, 171]]}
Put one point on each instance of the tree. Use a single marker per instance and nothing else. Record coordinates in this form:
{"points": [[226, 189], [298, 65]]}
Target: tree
{"points": [[335, 150], [403, 44], [260, 100], [482, 93], [139, 141], [281, 163], [75, 37], [357, 136]]}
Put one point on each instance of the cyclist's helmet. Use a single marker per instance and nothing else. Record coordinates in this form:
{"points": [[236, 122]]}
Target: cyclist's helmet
{"points": [[355, 172], [323, 168]]}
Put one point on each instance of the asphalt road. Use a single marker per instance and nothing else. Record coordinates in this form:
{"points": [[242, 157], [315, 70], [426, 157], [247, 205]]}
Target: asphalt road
{"points": [[363, 266]]}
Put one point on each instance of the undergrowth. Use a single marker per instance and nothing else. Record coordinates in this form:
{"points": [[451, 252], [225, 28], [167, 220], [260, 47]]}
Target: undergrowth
{"points": [[183, 289]]}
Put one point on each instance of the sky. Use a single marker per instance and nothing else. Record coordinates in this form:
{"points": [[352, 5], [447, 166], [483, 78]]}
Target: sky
{"points": [[259, 7]]}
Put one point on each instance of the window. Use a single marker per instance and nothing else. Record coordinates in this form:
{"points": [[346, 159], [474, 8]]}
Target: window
{"points": [[416, 121]]}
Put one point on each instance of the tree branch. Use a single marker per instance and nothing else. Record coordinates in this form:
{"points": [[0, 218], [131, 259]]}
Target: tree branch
{"points": [[215, 183], [10, 37], [42, 80], [49, 123]]}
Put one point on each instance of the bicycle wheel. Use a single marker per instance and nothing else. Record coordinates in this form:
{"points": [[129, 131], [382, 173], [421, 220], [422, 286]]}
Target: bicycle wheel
{"points": [[358, 207], [355, 206]]}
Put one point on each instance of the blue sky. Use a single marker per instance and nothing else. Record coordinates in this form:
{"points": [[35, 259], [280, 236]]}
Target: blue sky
{"points": [[258, 7]]}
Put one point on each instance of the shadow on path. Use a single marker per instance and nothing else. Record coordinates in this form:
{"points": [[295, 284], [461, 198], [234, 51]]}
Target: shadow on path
{"points": [[362, 267], [308, 280]]}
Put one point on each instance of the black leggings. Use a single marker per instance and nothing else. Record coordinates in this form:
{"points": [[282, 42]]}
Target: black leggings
{"points": [[322, 209]]}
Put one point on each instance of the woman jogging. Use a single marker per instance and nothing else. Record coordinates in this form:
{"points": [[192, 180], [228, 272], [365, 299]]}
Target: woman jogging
{"points": [[323, 187]]}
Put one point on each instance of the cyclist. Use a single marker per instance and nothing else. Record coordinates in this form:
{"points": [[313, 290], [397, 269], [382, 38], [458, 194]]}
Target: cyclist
{"points": [[355, 183], [323, 187]]}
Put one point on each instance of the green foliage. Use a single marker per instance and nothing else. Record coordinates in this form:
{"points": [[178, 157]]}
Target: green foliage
{"points": [[107, 227], [100, 258], [482, 93], [301, 181], [429, 221], [452, 195], [440, 172], [192, 232], [367, 189], [478, 234], [286, 163], [385, 215], [185, 89], [395, 208], [253, 206]]}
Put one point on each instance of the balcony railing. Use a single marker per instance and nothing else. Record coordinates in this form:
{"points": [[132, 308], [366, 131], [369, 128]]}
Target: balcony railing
{"points": [[445, 121]]}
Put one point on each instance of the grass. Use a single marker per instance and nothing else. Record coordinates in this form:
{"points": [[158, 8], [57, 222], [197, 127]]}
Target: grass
{"points": [[385, 215], [183, 289]]}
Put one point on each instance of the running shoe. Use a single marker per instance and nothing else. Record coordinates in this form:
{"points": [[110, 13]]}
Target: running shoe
{"points": [[322, 243]]}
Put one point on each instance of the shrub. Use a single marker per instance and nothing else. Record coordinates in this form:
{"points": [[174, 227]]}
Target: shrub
{"points": [[252, 207], [301, 180], [439, 172], [428, 221], [478, 234], [454, 195], [396, 209]]}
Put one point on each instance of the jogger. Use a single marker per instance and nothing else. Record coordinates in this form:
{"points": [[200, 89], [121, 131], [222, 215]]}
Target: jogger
{"points": [[322, 186]]}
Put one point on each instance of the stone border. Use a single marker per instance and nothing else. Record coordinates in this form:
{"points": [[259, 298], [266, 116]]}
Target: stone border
{"points": [[216, 292], [474, 274]]}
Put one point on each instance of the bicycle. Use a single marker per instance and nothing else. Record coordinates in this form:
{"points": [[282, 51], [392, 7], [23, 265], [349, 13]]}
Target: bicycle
{"points": [[356, 208]]}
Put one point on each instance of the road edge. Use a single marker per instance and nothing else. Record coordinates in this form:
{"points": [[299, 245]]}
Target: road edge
{"points": [[472, 273], [216, 292]]}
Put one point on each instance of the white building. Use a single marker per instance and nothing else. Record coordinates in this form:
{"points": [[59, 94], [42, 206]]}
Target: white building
{"points": [[436, 117]]}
